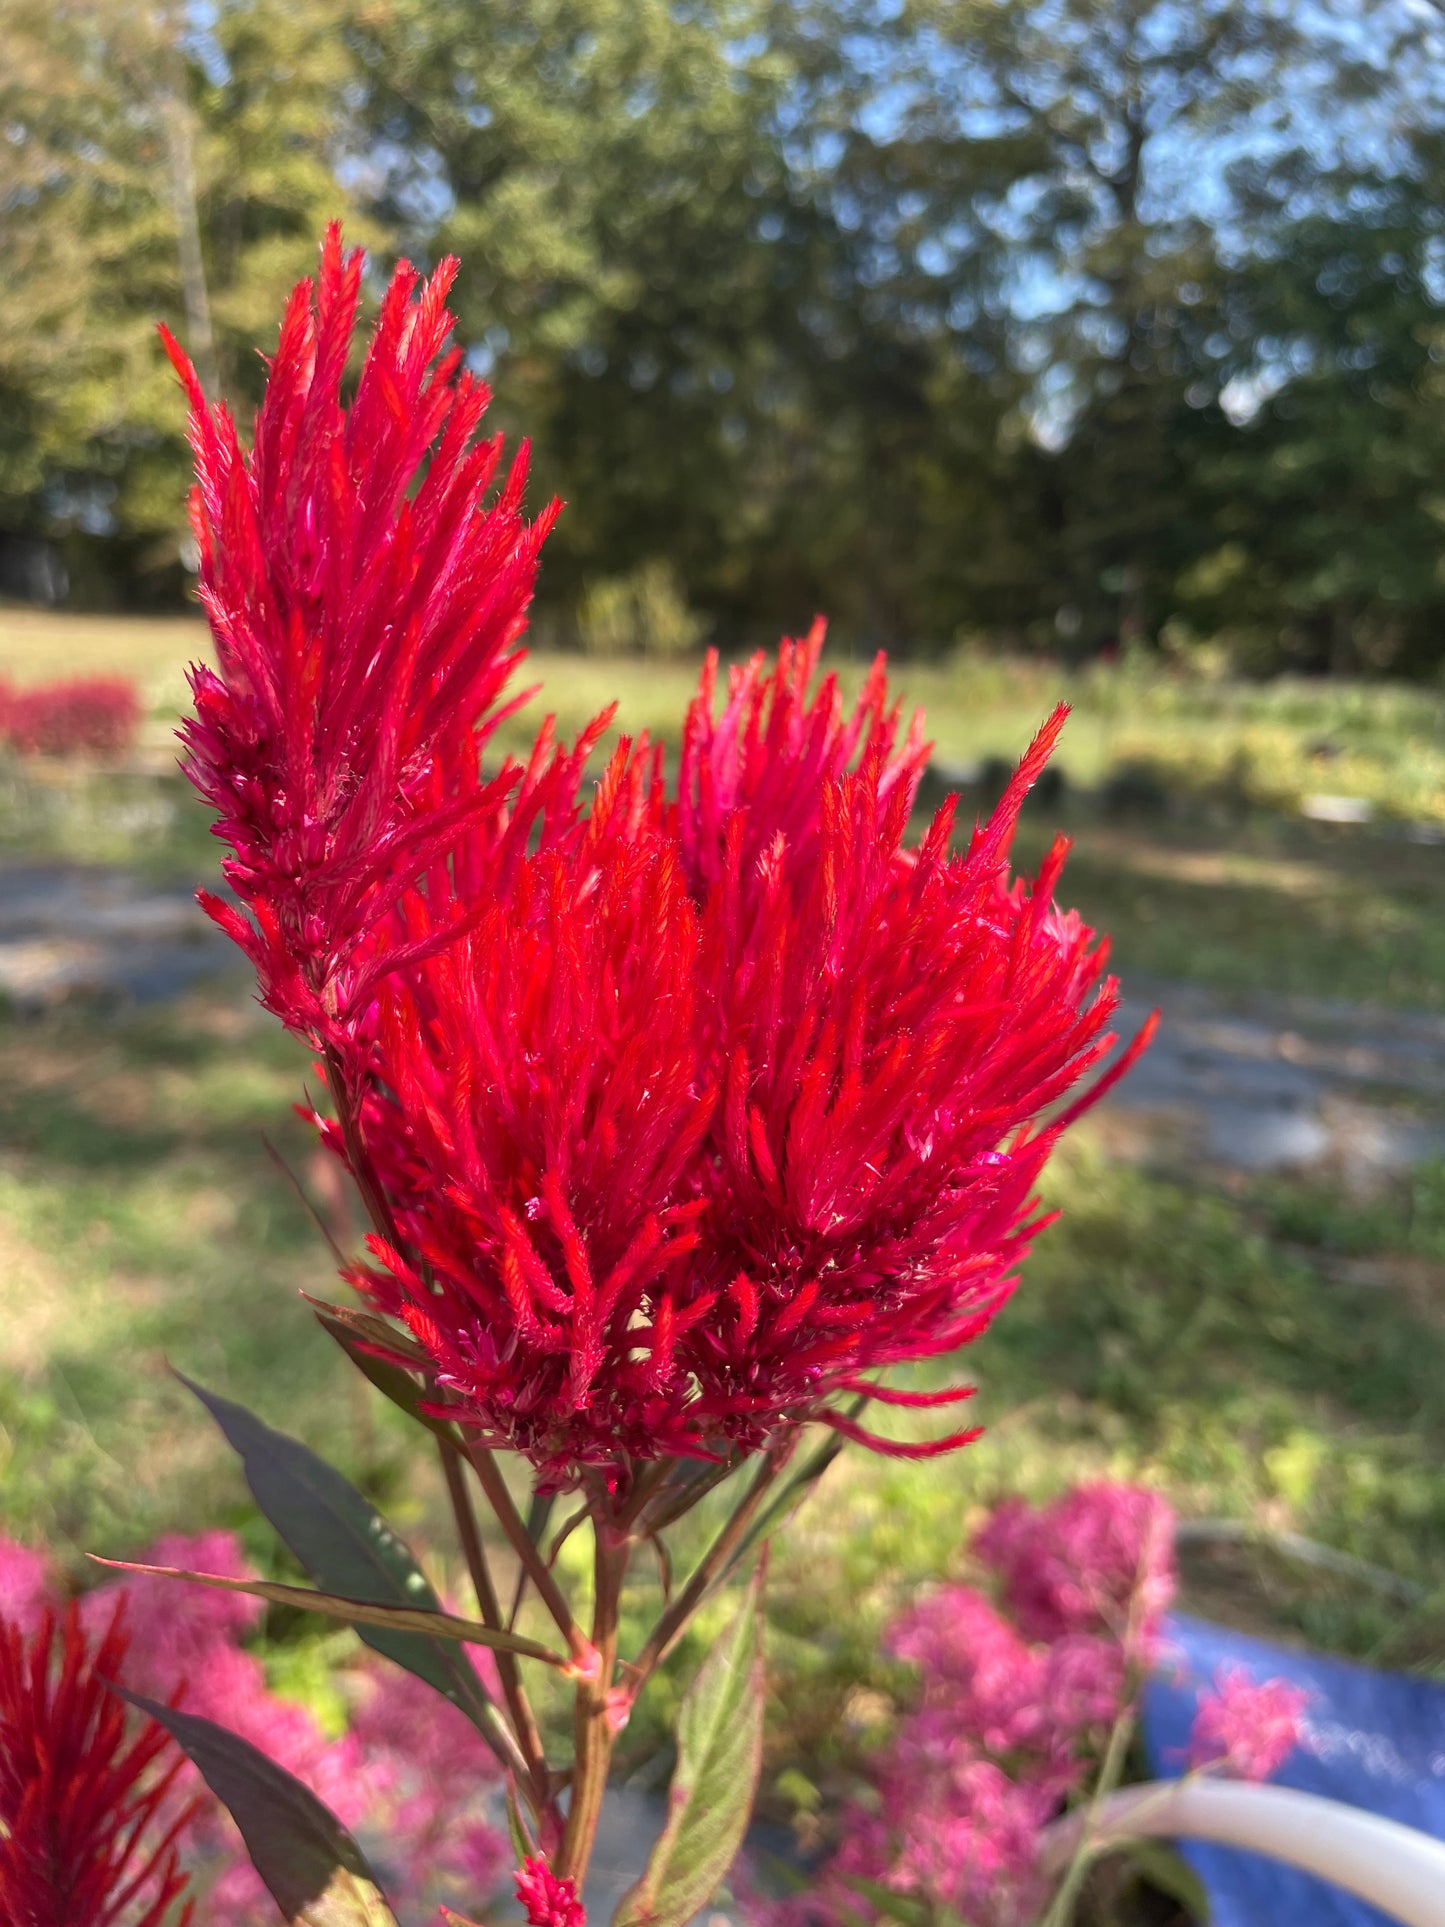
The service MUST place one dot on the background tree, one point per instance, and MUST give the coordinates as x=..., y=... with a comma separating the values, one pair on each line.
x=1062, y=321
x=150, y=170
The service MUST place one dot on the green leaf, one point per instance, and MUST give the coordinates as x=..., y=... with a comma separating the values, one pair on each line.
x=315, y=1871
x=348, y=1549
x=523, y=1846
x=359, y=1612
x=719, y=1756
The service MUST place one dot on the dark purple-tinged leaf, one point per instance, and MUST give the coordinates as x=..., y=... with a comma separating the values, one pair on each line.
x=358, y=1333
x=719, y=1756
x=347, y=1548
x=314, y=1870
x=389, y=1379
x=359, y=1612
x=369, y=1328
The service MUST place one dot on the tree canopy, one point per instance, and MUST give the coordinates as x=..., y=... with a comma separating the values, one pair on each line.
x=1072, y=322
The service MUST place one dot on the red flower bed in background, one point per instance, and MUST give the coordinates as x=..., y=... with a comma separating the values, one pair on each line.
x=80, y=716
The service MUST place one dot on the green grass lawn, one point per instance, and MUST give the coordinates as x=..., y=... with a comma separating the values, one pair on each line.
x=1271, y=743
x=1269, y=1353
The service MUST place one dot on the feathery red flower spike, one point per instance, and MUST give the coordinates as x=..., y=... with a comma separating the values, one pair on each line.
x=364, y=629
x=681, y=1114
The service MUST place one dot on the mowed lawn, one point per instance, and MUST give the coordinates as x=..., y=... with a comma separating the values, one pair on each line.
x=1272, y=1353
x=1275, y=743
x=1183, y=798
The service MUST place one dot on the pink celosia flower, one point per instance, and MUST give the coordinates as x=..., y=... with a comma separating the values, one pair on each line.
x=965, y=1839
x=83, y=1838
x=428, y=1770
x=25, y=1589
x=550, y=1899
x=1098, y=1560
x=363, y=628
x=1004, y=1728
x=1246, y=1728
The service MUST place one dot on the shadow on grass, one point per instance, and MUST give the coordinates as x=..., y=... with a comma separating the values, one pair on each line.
x=141, y=1220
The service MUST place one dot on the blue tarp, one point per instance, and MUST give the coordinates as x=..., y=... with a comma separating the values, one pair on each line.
x=1373, y=1740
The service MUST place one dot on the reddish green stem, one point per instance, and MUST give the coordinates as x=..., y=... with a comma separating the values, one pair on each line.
x=594, y=1713
x=524, y=1725
x=511, y=1522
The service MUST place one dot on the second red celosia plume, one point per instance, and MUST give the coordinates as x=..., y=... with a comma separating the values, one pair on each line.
x=676, y=1168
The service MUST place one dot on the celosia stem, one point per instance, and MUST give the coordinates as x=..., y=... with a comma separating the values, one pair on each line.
x=524, y=1725
x=673, y=1622
x=511, y=1522
x=594, y=1717
x=1061, y=1908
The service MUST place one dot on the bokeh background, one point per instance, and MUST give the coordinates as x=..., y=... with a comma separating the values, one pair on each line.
x=1064, y=348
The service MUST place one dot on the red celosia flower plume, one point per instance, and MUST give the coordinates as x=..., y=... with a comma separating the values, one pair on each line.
x=680, y=1117
x=546, y=1098
x=890, y=1034
x=765, y=761
x=364, y=624
x=84, y=1838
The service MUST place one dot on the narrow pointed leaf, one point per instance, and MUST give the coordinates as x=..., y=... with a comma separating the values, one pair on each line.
x=359, y=1612
x=539, y=1511
x=370, y=1329
x=314, y=1870
x=347, y=1548
x=719, y=1756
x=523, y=1847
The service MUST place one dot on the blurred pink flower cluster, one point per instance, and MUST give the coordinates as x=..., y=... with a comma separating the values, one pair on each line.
x=1014, y=1703
x=1017, y=1694
x=405, y=1775
x=1244, y=1727
x=79, y=716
